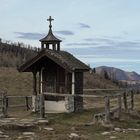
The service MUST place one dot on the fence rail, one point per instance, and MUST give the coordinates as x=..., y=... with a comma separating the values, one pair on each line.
x=4, y=103
x=121, y=97
x=125, y=99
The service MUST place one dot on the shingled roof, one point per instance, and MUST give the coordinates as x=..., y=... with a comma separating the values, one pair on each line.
x=62, y=58
x=50, y=37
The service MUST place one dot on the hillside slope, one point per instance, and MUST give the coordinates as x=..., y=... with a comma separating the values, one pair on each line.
x=118, y=74
x=16, y=83
x=93, y=80
x=14, y=54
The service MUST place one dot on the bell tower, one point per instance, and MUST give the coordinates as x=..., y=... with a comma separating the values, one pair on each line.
x=50, y=41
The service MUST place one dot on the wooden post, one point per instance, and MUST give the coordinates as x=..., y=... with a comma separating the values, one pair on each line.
x=34, y=83
x=4, y=106
x=107, y=109
x=7, y=102
x=66, y=81
x=39, y=83
x=125, y=101
x=34, y=91
x=27, y=103
x=41, y=80
x=73, y=83
x=42, y=106
x=132, y=100
x=119, y=106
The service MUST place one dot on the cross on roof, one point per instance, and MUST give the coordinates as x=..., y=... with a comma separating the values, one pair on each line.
x=50, y=19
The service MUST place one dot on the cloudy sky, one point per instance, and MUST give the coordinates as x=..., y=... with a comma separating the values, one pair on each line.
x=99, y=32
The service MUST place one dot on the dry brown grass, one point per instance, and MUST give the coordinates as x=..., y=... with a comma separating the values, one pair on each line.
x=92, y=80
x=15, y=83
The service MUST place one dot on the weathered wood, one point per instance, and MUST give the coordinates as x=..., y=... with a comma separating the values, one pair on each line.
x=107, y=109
x=103, y=89
x=39, y=83
x=4, y=107
x=119, y=106
x=27, y=103
x=34, y=83
x=42, y=106
x=17, y=96
x=125, y=101
x=66, y=81
x=132, y=100
x=73, y=83
x=67, y=95
x=34, y=103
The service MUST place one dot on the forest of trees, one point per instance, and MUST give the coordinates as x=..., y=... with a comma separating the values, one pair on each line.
x=14, y=54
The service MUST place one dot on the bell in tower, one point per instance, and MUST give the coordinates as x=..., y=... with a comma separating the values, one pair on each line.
x=50, y=41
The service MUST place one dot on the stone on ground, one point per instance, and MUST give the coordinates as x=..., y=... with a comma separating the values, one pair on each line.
x=105, y=133
x=72, y=135
x=49, y=128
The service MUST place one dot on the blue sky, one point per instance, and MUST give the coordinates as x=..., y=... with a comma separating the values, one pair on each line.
x=98, y=32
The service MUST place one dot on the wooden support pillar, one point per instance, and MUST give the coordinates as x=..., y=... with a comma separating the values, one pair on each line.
x=125, y=101
x=58, y=47
x=34, y=83
x=41, y=80
x=42, y=46
x=107, y=109
x=73, y=83
x=132, y=100
x=34, y=96
x=54, y=46
x=42, y=106
x=47, y=46
x=66, y=82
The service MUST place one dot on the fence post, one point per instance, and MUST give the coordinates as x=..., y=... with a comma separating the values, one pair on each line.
x=4, y=105
x=42, y=106
x=125, y=101
x=132, y=100
x=119, y=105
x=27, y=103
x=107, y=109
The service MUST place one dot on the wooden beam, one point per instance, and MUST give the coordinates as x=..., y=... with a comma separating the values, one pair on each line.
x=119, y=106
x=125, y=101
x=132, y=100
x=103, y=90
x=42, y=106
x=107, y=109
x=34, y=83
x=70, y=95
x=41, y=80
x=66, y=81
x=73, y=83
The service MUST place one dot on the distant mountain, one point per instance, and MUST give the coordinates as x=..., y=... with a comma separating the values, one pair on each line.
x=118, y=74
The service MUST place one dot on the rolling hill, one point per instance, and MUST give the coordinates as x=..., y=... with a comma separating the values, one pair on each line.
x=118, y=74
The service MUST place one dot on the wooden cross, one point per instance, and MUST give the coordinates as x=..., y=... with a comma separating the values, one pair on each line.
x=50, y=19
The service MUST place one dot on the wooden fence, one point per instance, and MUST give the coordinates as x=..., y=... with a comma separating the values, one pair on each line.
x=125, y=102
x=123, y=97
x=122, y=105
x=4, y=103
x=3, y=106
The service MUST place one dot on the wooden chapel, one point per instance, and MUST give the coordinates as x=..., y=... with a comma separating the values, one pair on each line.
x=59, y=72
